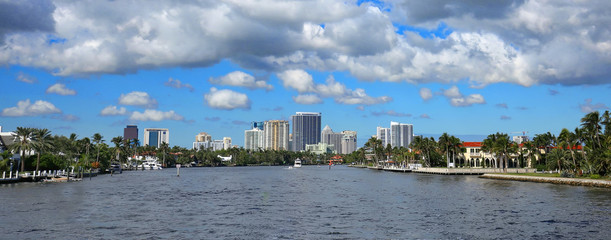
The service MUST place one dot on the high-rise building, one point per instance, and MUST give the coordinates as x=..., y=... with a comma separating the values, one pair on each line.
x=384, y=135
x=401, y=134
x=348, y=142
x=276, y=134
x=203, y=137
x=329, y=137
x=306, y=129
x=253, y=139
x=226, y=143
x=130, y=132
x=258, y=125
x=156, y=136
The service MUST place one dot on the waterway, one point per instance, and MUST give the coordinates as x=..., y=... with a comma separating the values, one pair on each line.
x=308, y=203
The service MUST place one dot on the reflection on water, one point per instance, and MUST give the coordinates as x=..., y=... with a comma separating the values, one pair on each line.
x=306, y=203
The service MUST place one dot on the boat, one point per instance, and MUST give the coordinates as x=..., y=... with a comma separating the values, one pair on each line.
x=297, y=163
x=147, y=163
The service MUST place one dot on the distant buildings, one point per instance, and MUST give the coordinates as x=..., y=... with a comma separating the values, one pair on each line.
x=401, y=135
x=259, y=125
x=203, y=137
x=348, y=142
x=203, y=141
x=384, y=135
x=331, y=138
x=520, y=139
x=398, y=135
x=320, y=148
x=276, y=135
x=306, y=129
x=130, y=132
x=156, y=136
x=253, y=139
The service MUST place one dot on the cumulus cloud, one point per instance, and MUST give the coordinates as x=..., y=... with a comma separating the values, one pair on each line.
x=303, y=82
x=175, y=83
x=113, y=111
x=155, y=115
x=226, y=99
x=391, y=113
x=240, y=79
x=426, y=94
x=16, y=17
x=61, y=89
x=26, y=78
x=307, y=99
x=513, y=41
x=458, y=100
x=139, y=99
x=588, y=107
x=298, y=79
x=25, y=108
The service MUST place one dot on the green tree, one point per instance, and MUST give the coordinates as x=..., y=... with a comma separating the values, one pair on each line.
x=24, y=143
x=42, y=142
x=98, y=140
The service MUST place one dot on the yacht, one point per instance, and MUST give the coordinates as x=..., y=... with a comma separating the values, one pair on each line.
x=297, y=163
x=147, y=163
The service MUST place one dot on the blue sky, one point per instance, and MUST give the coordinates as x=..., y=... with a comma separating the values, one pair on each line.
x=460, y=68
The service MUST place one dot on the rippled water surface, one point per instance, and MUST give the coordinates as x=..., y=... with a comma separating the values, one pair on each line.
x=307, y=203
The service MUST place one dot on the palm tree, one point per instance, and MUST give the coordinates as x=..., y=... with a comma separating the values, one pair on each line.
x=24, y=143
x=568, y=140
x=591, y=124
x=118, y=141
x=164, y=148
x=97, y=139
x=445, y=143
x=500, y=146
x=42, y=142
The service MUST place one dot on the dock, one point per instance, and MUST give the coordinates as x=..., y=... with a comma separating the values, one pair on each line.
x=471, y=171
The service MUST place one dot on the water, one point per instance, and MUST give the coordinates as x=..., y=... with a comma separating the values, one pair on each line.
x=307, y=203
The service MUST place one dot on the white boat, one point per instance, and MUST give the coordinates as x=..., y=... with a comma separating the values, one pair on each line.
x=147, y=163
x=297, y=163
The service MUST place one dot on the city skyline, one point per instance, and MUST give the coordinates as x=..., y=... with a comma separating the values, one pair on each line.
x=462, y=68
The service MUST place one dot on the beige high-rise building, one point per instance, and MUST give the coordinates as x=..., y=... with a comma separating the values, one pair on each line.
x=226, y=143
x=276, y=134
x=203, y=137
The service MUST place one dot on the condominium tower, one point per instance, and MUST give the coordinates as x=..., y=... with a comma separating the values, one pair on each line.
x=253, y=139
x=156, y=136
x=331, y=138
x=276, y=134
x=401, y=134
x=348, y=142
x=130, y=132
x=306, y=129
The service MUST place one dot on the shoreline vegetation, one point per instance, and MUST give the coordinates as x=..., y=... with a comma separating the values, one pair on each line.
x=582, y=153
x=540, y=177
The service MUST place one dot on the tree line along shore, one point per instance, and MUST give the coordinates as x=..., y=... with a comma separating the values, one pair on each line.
x=583, y=152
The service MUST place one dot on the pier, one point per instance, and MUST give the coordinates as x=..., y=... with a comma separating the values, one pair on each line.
x=15, y=177
x=472, y=171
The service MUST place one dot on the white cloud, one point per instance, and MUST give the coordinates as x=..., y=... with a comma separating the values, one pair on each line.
x=60, y=88
x=140, y=99
x=519, y=42
x=307, y=99
x=391, y=113
x=359, y=96
x=303, y=82
x=66, y=117
x=226, y=99
x=26, y=78
x=175, y=83
x=113, y=111
x=25, y=108
x=588, y=107
x=155, y=115
x=298, y=79
x=426, y=94
x=240, y=79
x=458, y=100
